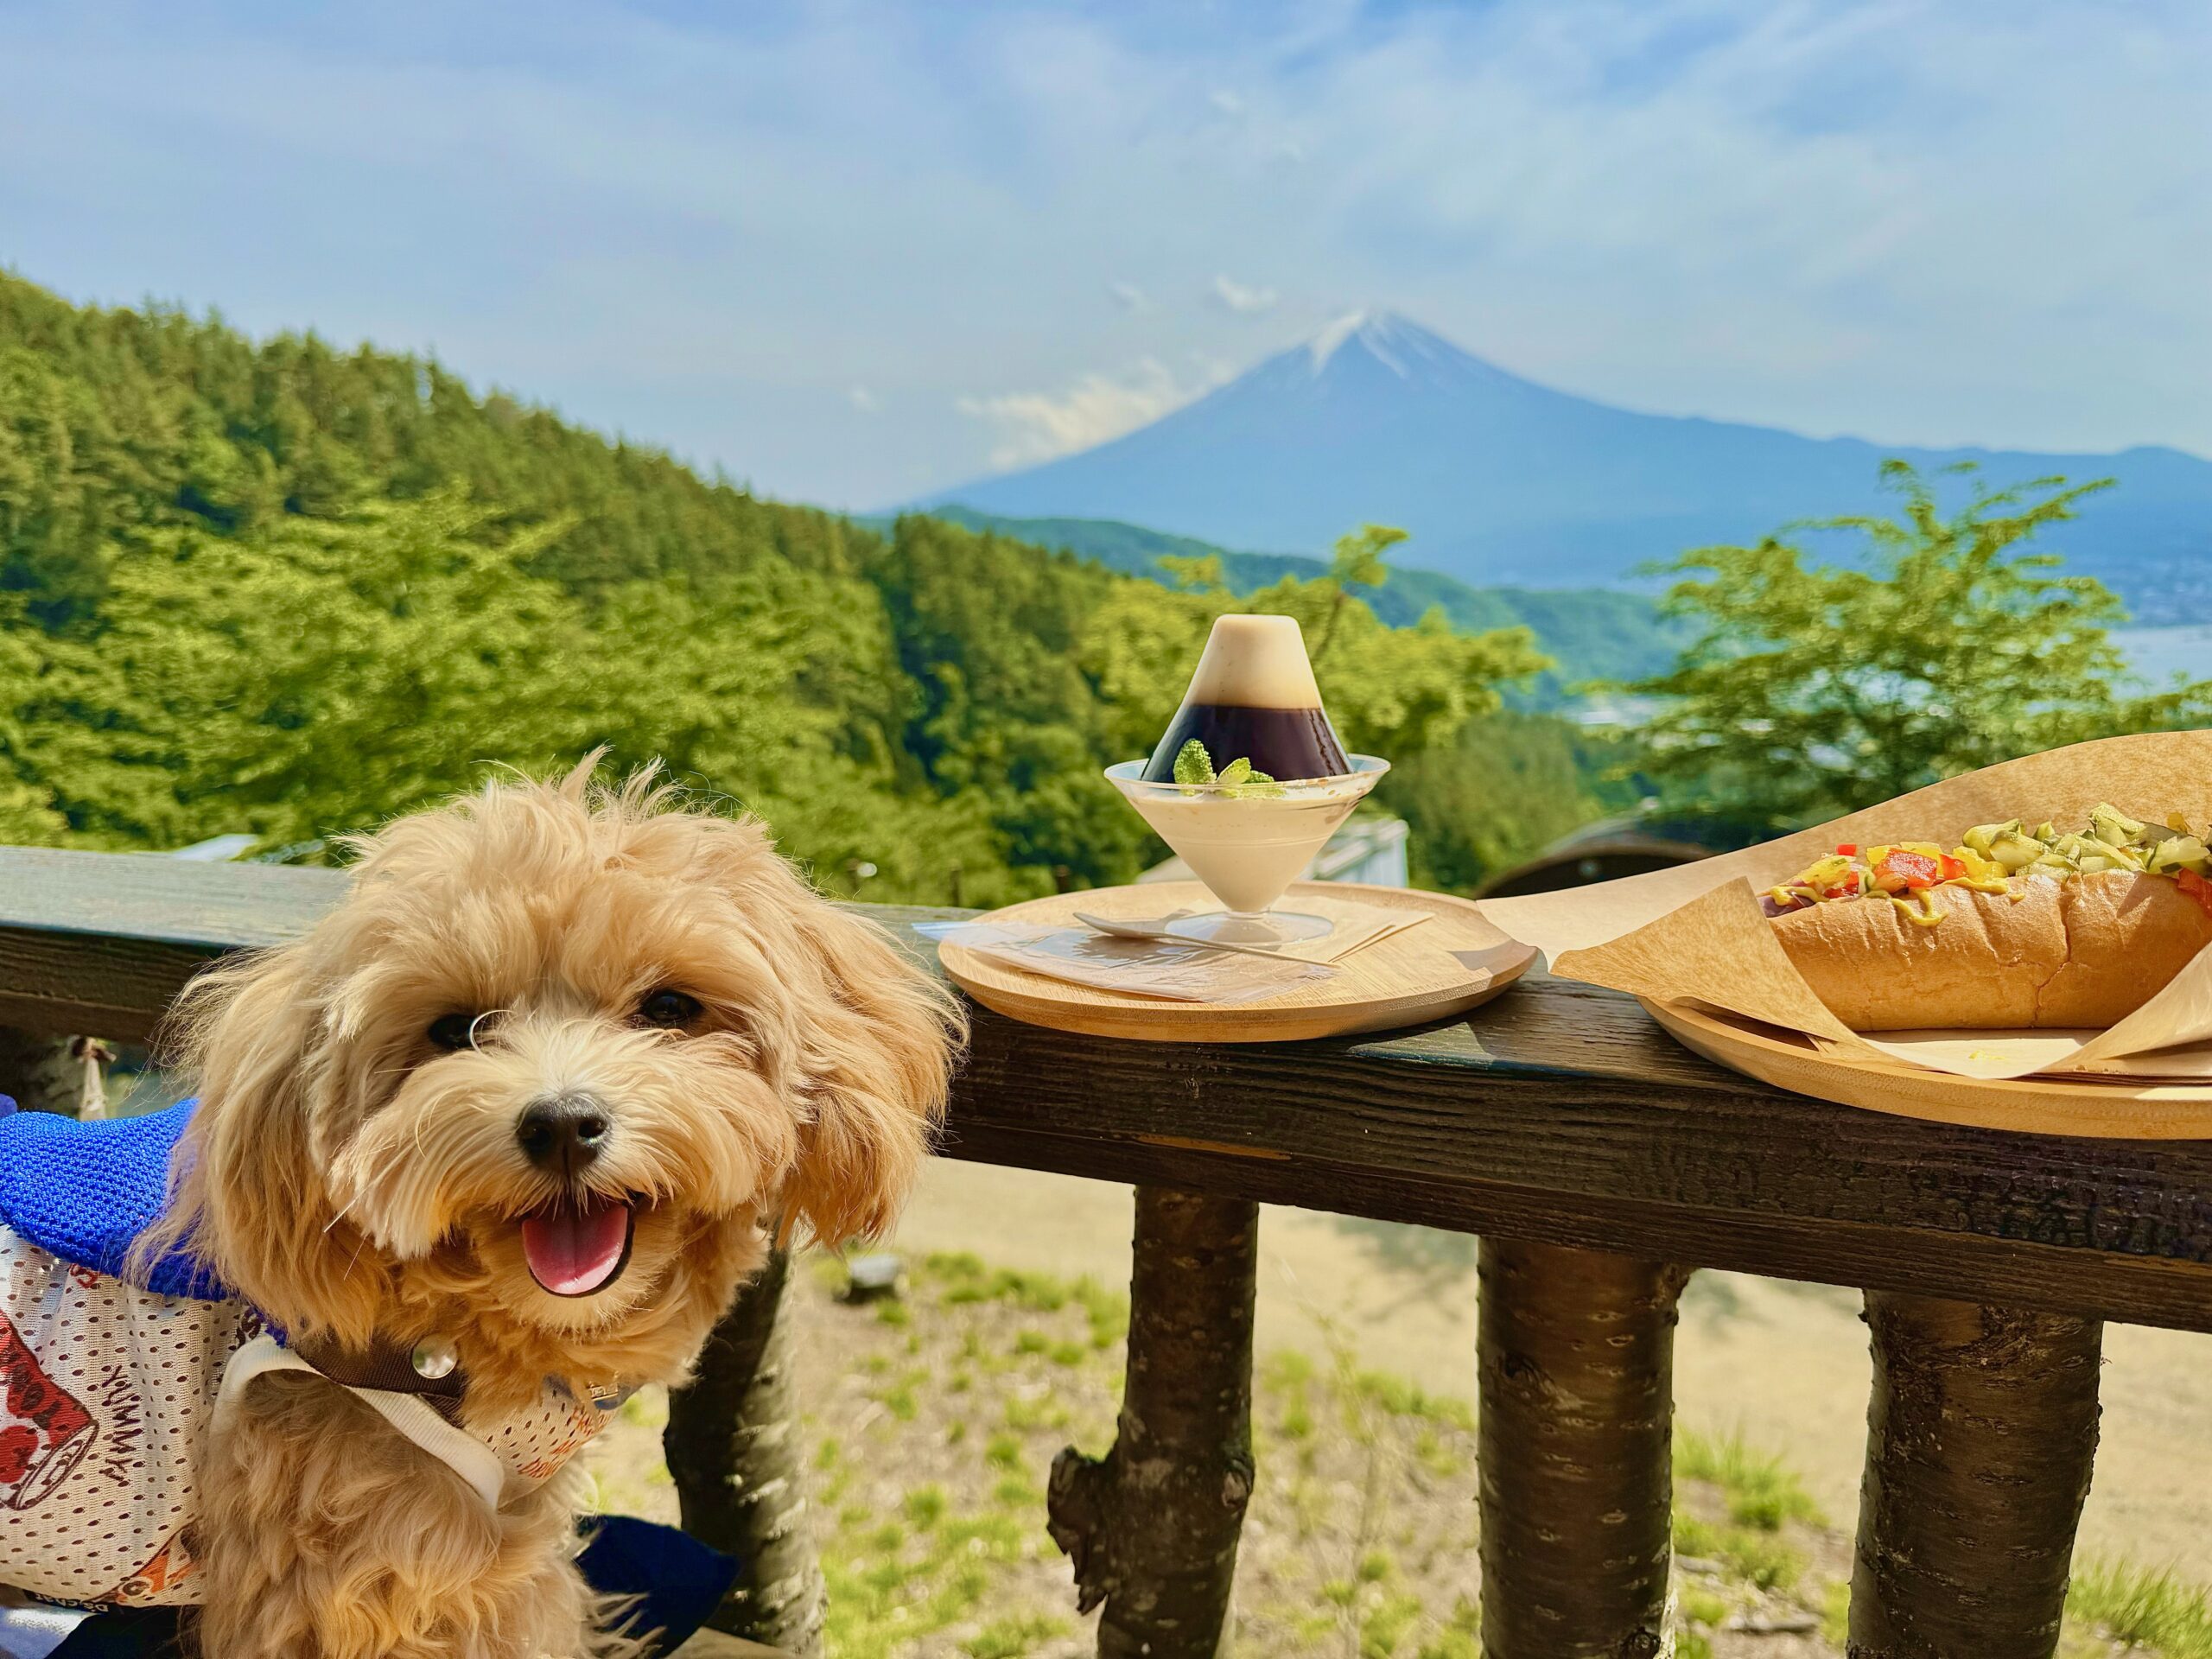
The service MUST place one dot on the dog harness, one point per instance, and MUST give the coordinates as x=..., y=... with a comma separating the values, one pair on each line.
x=108, y=1384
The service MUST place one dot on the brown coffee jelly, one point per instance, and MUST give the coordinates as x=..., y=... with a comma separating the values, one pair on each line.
x=1285, y=743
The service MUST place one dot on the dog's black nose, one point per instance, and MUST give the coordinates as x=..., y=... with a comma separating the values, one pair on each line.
x=564, y=1134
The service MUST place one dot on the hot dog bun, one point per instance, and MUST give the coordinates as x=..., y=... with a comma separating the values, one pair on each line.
x=2086, y=951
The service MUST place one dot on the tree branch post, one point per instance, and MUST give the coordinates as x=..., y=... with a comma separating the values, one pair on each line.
x=40, y=1073
x=1981, y=1432
x=1575, y=1352
x=734, y=1451
x=1152, y=1528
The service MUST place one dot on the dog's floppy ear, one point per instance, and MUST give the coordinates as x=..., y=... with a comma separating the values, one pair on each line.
x=880, y=1042
x=249, y=1199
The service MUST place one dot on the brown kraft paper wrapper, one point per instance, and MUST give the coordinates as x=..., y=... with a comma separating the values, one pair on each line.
x=1695, y=934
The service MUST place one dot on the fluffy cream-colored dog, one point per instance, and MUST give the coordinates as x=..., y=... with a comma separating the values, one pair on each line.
x=533, y=1091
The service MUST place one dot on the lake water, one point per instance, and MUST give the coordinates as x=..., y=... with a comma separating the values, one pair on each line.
x=2158, y=654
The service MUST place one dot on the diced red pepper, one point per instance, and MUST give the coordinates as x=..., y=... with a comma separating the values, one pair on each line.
x=1906, y=870
x=2197, y=888
x=1849, y=849
x=1844, y=888
x=1955, y=869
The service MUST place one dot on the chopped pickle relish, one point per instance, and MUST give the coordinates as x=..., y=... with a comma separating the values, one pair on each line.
x=1908, y=874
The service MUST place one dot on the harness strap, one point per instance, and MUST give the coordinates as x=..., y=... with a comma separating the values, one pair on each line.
x=387, y=1367
x=411, y=1414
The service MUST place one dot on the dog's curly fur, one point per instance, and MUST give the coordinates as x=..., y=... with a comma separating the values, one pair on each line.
x=350, y=1178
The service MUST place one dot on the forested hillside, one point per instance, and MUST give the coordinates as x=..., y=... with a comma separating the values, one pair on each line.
x=282, y=588
x=1590, y=633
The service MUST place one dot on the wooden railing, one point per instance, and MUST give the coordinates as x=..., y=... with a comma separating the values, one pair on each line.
x=1599, y=1163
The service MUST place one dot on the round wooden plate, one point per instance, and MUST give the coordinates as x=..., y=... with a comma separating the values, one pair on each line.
x=2115, y=1108
x=1454, y=961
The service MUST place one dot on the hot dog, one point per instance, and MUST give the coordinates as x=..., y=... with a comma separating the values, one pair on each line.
x=2014, y=927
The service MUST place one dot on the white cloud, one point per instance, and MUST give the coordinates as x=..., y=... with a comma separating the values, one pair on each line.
x=1226, y=101
x=1245, y=300
x=1920, y=220
x=1034, y=426
x=864, y=400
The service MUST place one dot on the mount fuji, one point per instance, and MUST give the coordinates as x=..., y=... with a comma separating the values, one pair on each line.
x=1500, y=480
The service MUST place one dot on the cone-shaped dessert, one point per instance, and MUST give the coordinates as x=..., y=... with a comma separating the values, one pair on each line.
x=1253, y=698
x=1250, y=781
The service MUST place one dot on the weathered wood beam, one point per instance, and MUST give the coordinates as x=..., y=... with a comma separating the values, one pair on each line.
x=1151, y=1527
x=1980, y=1434
x=1575, y=1361
x=737, y=1456
x=1559, y=1113
x=61, y=984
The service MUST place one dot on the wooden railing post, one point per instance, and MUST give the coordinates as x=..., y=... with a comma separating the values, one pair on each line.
x=734, y=1448
x=1575, y=1352
x=1151, y=1527
x=1980, y=1435
x=37, y=1071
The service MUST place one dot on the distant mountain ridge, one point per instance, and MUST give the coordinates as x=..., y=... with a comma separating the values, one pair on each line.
x=1591, y=634
x=1502, y=481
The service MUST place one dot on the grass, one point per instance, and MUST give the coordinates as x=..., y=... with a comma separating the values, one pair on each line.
x=1752, y=1554
x=925, y=1506
x=1010, y=1638
x=1044, y=1411
x=965, y=1279
x=902, y=1399
x=1402, y=1399
x=890, y=1585
x=2149, y=1608
x=1703, y=1606
x=1461, y=1636
x=1835, y=1614
x=1760, y=1490
x=1385, y=1624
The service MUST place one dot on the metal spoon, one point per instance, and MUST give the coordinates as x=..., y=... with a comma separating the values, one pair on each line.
x=1157, y=931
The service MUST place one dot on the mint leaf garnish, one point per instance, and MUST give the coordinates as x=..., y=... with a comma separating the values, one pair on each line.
x=1239, y=779
x=1193, y=765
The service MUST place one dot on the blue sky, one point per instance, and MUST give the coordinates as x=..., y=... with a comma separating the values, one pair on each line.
x=855, y=252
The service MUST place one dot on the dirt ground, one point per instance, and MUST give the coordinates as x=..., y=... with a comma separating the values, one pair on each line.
x=1785, y=1365
x=930, y=1422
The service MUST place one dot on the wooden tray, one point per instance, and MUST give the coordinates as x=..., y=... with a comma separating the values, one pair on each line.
x=2115, y=1108
x=1402, y=981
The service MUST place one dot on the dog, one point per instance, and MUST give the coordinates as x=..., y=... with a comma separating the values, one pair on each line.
x=496, y=1141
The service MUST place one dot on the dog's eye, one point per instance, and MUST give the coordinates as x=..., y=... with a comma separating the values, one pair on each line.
x=670, y=1009
x=452, y=1031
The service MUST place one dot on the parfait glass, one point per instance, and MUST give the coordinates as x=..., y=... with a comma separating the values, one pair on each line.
x=1248, y=843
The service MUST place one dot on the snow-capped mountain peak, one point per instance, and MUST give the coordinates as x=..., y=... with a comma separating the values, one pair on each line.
x=1501, y=478
x=1388, y=338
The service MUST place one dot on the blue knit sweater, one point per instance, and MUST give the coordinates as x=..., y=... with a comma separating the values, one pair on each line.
x=84, y=1191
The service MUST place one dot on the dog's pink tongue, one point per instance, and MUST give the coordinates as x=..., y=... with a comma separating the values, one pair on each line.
x=574, y=1252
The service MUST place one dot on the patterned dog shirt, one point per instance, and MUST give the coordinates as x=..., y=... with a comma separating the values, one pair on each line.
x=107, y=1384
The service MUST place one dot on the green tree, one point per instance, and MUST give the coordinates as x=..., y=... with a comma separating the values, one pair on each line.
x=307, y=682
x=1812, y=690
x=1395, y=692
x=281, y=586
x=1509, y=784
x=28, y=813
